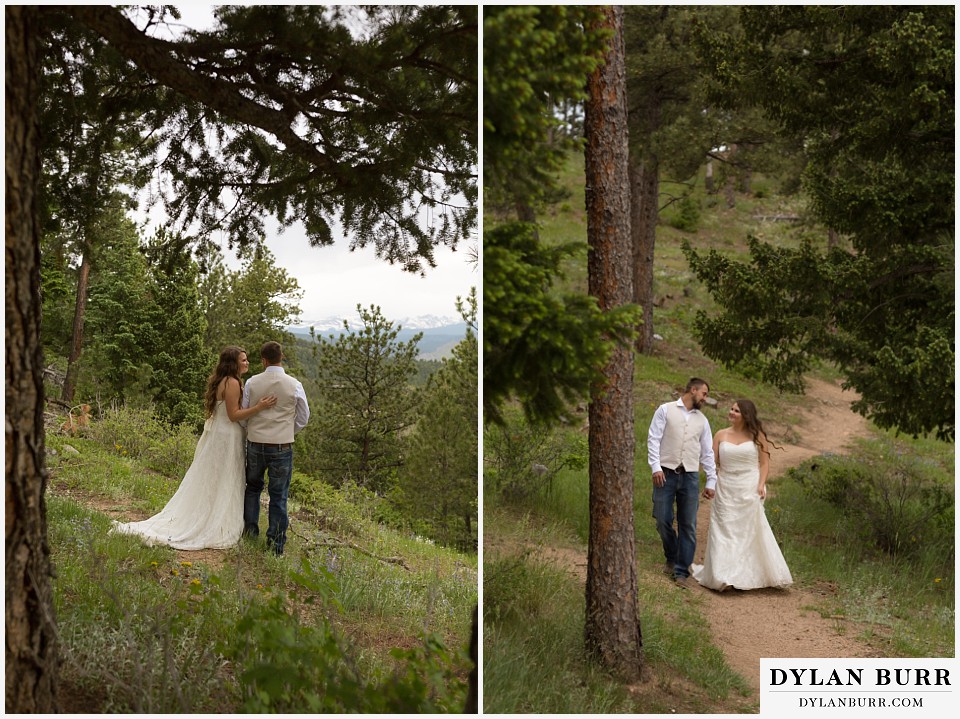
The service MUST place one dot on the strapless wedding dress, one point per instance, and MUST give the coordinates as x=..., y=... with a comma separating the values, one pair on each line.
x=741, y=549
x=207, y=510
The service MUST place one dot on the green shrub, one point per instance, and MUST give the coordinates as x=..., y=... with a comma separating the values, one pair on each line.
x=895, y=499
x=140, y=434
x=285, y=666
x=523, y=459
x=687, y=216
x=335, y=509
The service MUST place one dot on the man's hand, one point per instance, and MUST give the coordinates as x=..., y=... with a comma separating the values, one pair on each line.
x=658, y=479
x=709, y=493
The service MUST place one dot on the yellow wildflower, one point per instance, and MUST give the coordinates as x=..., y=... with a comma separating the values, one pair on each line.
x=186, y=564
x=195, y=582
x=175, y=572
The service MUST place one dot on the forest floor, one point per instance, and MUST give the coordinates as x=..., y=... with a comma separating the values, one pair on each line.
x=770, y=623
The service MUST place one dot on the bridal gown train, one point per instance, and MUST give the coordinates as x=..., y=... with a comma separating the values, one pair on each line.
x=741, y=549
x=207, y=510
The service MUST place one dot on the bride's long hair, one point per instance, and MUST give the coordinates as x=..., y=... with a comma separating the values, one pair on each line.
x=752, y=423
x=228, y=366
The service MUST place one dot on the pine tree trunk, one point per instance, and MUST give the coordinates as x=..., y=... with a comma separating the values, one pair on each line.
x=473, y=684
x=526, y=213
x=612, y=630
x=730, y=183
x=708, y=179
x=644, y=198
x=76, y=347
x=31, y=648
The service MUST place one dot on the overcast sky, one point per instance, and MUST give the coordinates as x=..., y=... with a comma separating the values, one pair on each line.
x=334, y=280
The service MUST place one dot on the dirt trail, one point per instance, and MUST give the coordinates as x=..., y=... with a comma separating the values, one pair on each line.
x=768, y=622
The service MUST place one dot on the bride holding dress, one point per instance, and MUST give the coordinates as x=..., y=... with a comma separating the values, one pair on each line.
x=741, y=549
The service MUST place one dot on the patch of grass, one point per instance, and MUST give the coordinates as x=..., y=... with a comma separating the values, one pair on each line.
x=133, y=621
x=534, y=654
x=533, y=644
x=107, y=473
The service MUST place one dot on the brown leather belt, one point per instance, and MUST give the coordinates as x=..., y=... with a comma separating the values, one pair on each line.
x=266, y=445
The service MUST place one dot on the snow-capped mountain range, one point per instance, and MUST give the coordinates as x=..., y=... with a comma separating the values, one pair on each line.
x=422, y=322
x=439, y=334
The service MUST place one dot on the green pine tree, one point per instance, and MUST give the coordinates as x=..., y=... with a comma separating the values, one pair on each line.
x=438, y=482
x=367, y=403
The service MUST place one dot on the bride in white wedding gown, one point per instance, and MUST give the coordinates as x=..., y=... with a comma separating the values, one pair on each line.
x=741, y=549
x=206, y=512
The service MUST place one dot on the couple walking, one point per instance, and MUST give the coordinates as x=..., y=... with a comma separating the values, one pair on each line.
x=741, y=549
x=214, y=506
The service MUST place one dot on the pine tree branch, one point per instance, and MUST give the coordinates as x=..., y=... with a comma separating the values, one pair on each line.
x=157, y=57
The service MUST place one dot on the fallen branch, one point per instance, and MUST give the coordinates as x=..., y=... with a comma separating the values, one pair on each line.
x=335, y=542
x=778, y=218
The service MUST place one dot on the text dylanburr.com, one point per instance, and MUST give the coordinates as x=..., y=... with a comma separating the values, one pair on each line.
x=859, y=687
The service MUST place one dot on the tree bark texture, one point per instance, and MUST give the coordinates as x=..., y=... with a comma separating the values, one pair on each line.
x=612, y=630
x=31, y=647
x=473, y=684
x=644, y=199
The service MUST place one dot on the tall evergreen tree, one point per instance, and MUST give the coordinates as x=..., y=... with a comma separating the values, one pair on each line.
x=367, y=402
x=675, y=127
x=94, y=150
x=31, y=634
x=870, y=93
x=251, y=305
x=438, y=482
x=117, y=363
x=181, y=362
x=612, y=624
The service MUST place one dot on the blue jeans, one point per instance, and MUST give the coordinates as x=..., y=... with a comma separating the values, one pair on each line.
x=678, y=544
x=278, y=465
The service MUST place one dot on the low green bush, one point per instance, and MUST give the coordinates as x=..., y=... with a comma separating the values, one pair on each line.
x=523, y=459
x=140, y=434
x=896, y=500
x=346, y=510
x=687, y=215
x=285, y=666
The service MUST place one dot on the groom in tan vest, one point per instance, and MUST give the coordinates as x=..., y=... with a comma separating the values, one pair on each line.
x=270, y=436
x=678, y=444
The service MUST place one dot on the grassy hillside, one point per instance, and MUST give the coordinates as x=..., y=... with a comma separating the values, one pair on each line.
x=354, y=617
x=901, y=605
